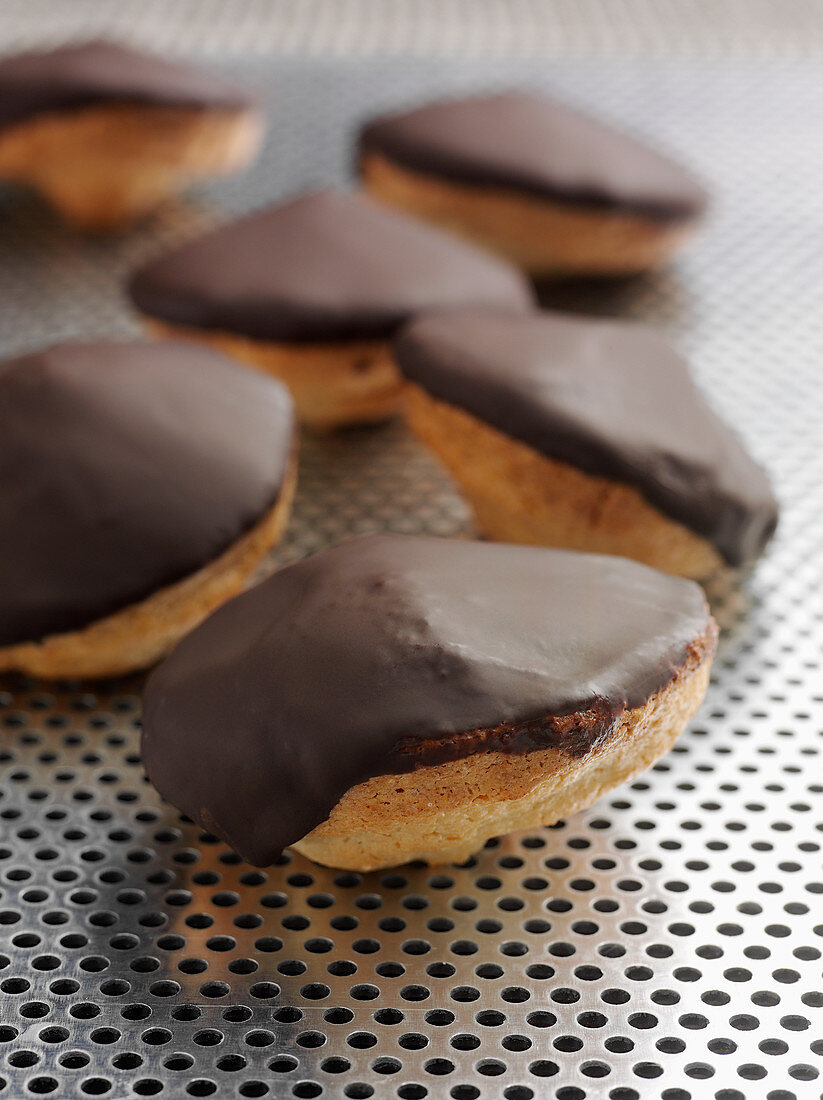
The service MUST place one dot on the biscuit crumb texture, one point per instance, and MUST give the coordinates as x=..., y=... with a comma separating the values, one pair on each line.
x=333, y=384
x=139, y=635
x=105, y=166
x=543, y=237
x=520, y=495
x=444, y=813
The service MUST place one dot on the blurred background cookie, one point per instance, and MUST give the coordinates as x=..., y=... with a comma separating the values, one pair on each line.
x=544, y=184
x=140, y=485
x=401, y=698
x=105, y=133
x=312, y=291
x=587, y=434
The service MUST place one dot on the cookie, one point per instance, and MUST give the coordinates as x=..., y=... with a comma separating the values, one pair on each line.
x=140, y=486
x=105, y=133
x=312, y=291
x=585, y=434
x=545, y=185
x=401, y=698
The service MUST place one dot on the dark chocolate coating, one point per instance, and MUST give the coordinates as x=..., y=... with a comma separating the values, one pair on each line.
x=609, y=397
x=125, y=467
x=76, y=76
x=327, y=266
x=538, y=146
x=334, y=669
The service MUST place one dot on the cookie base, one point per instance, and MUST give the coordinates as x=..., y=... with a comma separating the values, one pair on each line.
x=333, y=385
x=520, y=495
x=139, y=635
x=543, y=237
x=445, y=813
x=102, y=167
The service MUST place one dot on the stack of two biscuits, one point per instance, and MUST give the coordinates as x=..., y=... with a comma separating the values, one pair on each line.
x=586, y=434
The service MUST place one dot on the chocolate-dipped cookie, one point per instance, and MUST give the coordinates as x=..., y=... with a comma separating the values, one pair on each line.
x=105, y=133
x=586, y=434
x=312, y=291
x=547, y=186
x=140, y=486
x=400, y=698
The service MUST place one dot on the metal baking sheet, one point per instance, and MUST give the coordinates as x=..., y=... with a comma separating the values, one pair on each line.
x=667, y=943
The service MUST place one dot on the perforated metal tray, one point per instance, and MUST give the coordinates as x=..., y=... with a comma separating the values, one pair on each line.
x=665, y=944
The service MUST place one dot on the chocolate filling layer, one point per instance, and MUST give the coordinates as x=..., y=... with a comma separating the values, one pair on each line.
x=380, y=655
x=609, y=397
x=538, y=146
x=72, y=77
x=575, y=734
x=124, y=467
x=324, y=267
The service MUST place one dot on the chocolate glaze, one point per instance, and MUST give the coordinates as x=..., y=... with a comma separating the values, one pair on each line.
x=609, y=397
x=374, y=657
x=327, y=266
x=123, y=468
x=539, y=146
x=71, y=77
